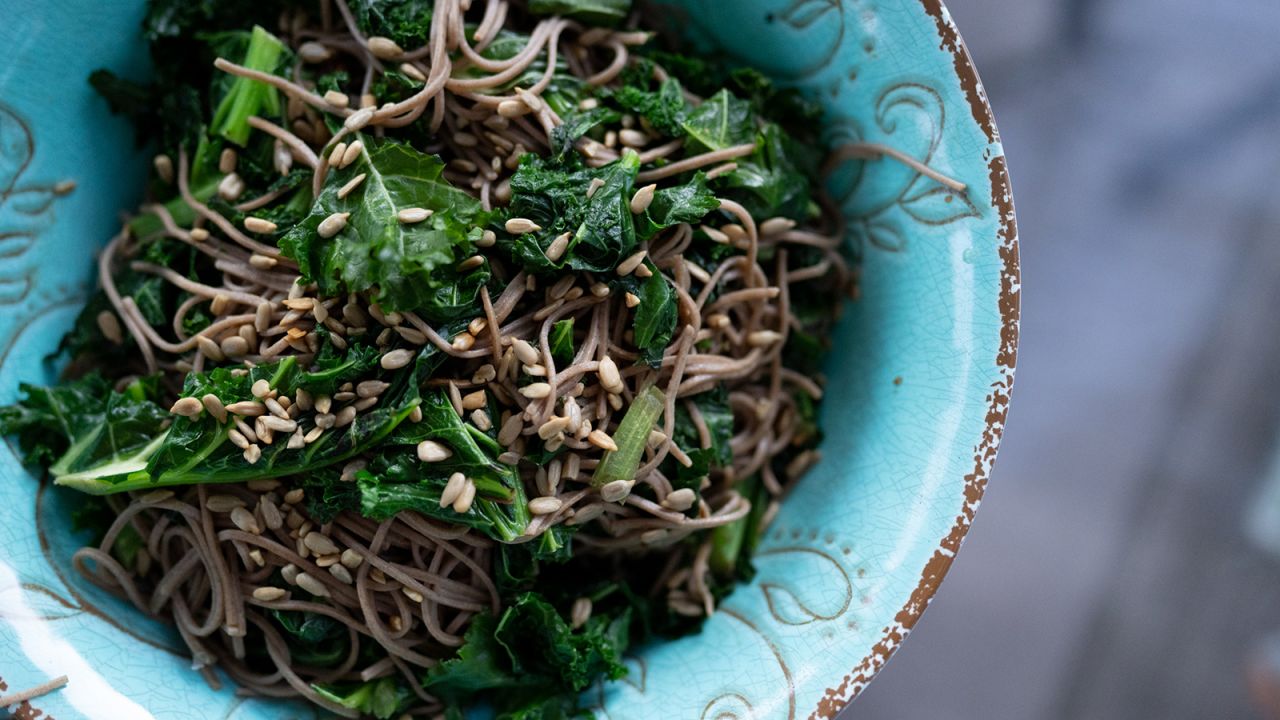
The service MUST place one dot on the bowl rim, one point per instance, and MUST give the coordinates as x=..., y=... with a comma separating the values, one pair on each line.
x=837, y=697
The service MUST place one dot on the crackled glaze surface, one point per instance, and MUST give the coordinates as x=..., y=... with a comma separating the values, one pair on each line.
x=920, y=374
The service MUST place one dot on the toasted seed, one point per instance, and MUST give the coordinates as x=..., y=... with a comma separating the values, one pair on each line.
x=680, y=500
x=632, y=300
x=512, y=108
x=279, y=424
x=616, y=491
x=252, y=454
x=509, y=458
x=432, y=451
x=465, y=498
x=525, y=352
x=344, y=417
x=629, y=265
x=234, y=346
x=534, y=391
x=413, y=595
x=247, y=408
x=396, y=359
x=336, y=98
x=209, y=348
x=633, y=138
x=352, y=153
x=222, y=503
x=471, y=263
x=557, y=247
x=245, y=520
x=776, y=226
x=276, y=408
x=351, y=185
x=587, y=514
x=474, y=400
x=552, y=427
x=269, y=593
x=336, y=155
x=610, y=378
x=259, y=225
x=371, y=388
x=323, y=403
x=270, y=514
x=412, y=71
x=580, y=613
x=365, y=403
x=199, y=235
x=293, y=497
x=260, y=388
x=256, y=556
x=231, y=187
x=510, y=430
x=464, y=341
x=545, y=505
x=319, y=543
x=156, y=496
x=341, y=573
x=487, y=239
x=164, y=168
x=109, y=326
x=481, y=420
x=238, y=439
x=601, y=439
x=412, y=215
x=415, y=415
x=262, y=262
x=311, y=585
x=522, y=226
x=485, y=373
x=332, y=225
x=384, y=48
x=644, y=272
x=452, y=489
x=187, y=407
x=357, y=120
x=314, y=52
x=763, y=338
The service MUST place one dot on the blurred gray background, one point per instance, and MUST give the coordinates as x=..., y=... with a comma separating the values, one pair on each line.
x=1109, y=573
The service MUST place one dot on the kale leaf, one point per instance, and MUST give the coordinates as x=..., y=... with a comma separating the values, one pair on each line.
x=407, y=22
x=382, y=698
x=596, y=12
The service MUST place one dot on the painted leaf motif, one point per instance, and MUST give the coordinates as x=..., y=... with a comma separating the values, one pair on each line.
x=939, y=205
x=802, y=585
x=886, y=237
x=15, y=149
x=803, y=13
x=15, y=242
x=13, y=289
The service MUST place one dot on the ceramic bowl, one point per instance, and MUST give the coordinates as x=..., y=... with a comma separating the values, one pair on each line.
x=919, y=378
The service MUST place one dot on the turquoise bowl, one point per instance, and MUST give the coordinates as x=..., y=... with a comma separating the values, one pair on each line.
x=920, y=374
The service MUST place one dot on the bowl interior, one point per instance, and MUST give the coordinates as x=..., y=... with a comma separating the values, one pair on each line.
x=919, y=375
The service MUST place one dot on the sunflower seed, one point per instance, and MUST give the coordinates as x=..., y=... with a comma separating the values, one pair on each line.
x=384, y=48
x=252, y=454
x=258, y=225
x=601, y=439
x=311, y=585
x=545, y=505
x=628, y=266
x=332, y=225
x=616, y=491
x=535, y=391
x=452, y=489
x=336, y=98
x=432, y=451
x=412, y=215
x=314, y=52
x=465, y=498
x=351, y=185
x=680, y=500
x=187, y=407
x=522, y=226
x=763, y=338
x=481, y=420
x=109, y=326
x=156, y=496
x=510, y=431
x=269, y=594
x=319, y=543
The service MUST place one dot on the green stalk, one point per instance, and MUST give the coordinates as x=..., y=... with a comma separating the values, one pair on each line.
x=249, y=97
x=631, y=437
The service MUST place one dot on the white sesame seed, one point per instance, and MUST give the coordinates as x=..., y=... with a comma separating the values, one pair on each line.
x=245, y=520
x=311, y=585
x=522, y=226
x=187, y=407
x=336, y=98
x=258, y=225
x=358, y=119
x=601, y=439
x=629, y=265
x=269, y=594
x=545, y=505
x=535, y=391
x=412, y=215
x=680, y=500
x=616, y=491
x=333, y=224
x=314, y=52
x=351, y=185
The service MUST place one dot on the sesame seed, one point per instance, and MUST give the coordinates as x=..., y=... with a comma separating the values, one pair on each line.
x=357, y=120
x=474, y=400
x=252, y=454
x=245, y=520
x=432, y=451
x=522, y=226
x=616, y=491
x=335, y=157
x=352, y=152
x=512, y=108
x=262, y=262
x=314, y=52
x=164, y=168
x=545, y=505
x=412, y=215
x=510, y=430
x=632, y=300
x=199, y=235
x=535, y=391
x=384, y=48
x=465, y=498
x=258, y=225
x=351, y=185
x=601, y=439
x=332, y=225
x=471, y=263
x=337, y=99
x=311, y=585
x=763, y=338
x=680, y=500
x=628, y=266
x=269, y=594
x=227, y=160
x=452, y=489
x=557, y=247
x=187, y=407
